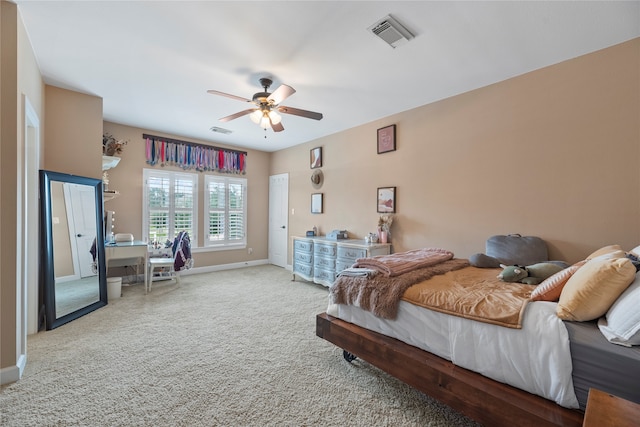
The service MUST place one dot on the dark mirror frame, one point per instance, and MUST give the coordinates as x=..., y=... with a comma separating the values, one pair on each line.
x=47, y=274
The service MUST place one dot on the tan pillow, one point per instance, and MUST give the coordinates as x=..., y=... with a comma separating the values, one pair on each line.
x=592, y=289
x=609, y=255
x=551, y=287
x=604, y=250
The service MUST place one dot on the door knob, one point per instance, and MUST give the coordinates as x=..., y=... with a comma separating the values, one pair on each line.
x=78, y=235
x=282, y=226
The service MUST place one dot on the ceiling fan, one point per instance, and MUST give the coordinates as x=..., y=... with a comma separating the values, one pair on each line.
x=267, y=106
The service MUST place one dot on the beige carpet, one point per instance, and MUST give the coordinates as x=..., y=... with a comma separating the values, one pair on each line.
x=230, y=348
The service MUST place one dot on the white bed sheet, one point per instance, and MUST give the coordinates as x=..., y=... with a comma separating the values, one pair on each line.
x=535, y=358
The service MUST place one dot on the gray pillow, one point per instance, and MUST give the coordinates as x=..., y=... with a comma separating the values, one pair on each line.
x=484, y=261
x=515, y=249
x=512, y=249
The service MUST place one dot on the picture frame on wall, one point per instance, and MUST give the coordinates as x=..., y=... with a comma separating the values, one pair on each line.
x=387, y=139
x=316, y=203
x=386, y=199
x=315, y=155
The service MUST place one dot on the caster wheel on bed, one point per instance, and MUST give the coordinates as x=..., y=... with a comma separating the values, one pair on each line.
x=348, y=356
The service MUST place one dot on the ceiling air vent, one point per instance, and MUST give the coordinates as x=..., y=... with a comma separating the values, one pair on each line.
x=391, y=31
x=220, y=130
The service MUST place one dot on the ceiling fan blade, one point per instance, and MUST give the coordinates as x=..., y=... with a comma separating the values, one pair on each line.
x=302, y=113
x=280, y=94
x=277, y=127
x=236, y=115
x=228, y=95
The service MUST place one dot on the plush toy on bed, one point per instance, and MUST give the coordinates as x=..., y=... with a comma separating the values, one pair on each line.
x=529, y=275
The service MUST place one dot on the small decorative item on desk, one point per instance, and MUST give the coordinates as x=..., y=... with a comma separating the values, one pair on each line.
x=337, y=235
x=384, y=226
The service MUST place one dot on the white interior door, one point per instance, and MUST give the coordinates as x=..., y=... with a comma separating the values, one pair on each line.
x=82, y=225
x=278, y=219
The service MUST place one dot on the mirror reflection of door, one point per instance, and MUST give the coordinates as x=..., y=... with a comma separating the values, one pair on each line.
x=74, y=230
x=82, y=224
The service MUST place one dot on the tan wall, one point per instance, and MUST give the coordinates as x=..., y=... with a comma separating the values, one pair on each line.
x=19, y=76
x=127, y=179
x=73, y=132
x=8, y=187
x=31, y=149
x=552, y=153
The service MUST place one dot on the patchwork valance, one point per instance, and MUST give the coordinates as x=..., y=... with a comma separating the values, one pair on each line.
x=190, y=155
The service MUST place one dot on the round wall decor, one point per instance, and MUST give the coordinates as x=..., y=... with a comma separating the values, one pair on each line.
x=316, y=178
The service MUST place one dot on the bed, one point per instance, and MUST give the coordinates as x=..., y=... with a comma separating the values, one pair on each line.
x=537, y=371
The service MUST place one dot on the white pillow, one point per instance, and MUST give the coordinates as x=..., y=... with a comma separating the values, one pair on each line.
x=636, y=251
x=621, y=324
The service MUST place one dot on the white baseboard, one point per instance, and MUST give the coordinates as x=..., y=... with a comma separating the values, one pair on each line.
x=11, y=374
x=211, y=268
x=208, y=269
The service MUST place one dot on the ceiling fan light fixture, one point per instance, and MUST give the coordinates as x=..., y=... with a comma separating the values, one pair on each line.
x=264, y=121
x=256, y=116
x=267, y=106
x=275, y=117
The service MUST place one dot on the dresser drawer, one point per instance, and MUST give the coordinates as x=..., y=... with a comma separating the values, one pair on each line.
x=326, y=277
x=302, y=246
x=351, y=253
x=305, y=270
x=343, y=265
x=303, y=257
x=324, y=262
x=326, y=250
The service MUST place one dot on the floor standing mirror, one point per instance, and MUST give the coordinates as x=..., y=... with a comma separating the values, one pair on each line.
x=72, y=273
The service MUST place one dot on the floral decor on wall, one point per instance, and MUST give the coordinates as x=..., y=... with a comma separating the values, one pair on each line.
x=112, y=146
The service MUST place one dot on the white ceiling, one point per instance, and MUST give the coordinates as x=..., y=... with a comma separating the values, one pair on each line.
x=152, y=62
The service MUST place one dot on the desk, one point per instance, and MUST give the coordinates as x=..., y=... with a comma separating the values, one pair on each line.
x=604, y=409
x=126, y=253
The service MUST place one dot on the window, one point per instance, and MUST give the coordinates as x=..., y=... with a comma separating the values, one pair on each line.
x=226, y=211
x=170, y=205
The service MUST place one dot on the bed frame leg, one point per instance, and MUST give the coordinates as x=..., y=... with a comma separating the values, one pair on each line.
x=349, y=357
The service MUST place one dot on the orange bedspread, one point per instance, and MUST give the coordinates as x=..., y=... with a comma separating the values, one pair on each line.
x=473, y=293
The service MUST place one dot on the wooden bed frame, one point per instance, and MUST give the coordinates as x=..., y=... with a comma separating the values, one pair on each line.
x=489, y=402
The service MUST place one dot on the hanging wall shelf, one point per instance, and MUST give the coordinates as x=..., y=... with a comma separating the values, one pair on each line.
x=109, y=162
x=110, y=195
